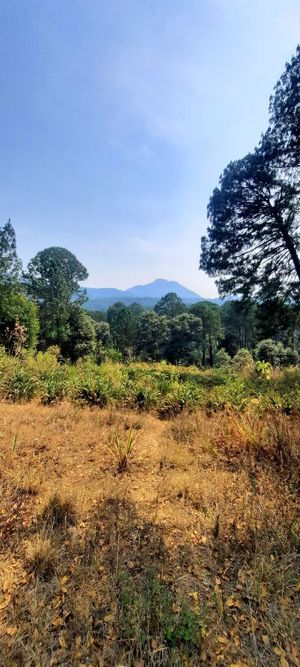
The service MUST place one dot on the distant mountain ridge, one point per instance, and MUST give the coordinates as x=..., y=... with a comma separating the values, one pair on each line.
x=101, y=298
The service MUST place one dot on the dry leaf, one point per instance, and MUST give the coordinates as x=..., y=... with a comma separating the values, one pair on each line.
x=283, y=662
x=57, y=621
x=108, y=618
x=62, y=641
x=4, y=603
x=11, y=630
x=194, y=595
x=232, y=602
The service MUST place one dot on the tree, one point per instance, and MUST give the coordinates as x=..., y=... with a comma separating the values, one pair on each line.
x=209, y=313
x=186, y=336
x=270, y=351
x=98, y=315
x=243, y=361
x=253, y=240
x=103, y=334
x=152, y=335
x=252, y=244
x=52, y=280
x=170, y=305
x=239, y=325
x=19, y=322
x=81, y=341
x=103, y=340
x=10, y=265
x=278, y=320
x=122, y=326
x=285, y=114
x=136, y=309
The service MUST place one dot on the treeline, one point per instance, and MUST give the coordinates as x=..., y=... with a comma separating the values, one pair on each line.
x=204, y=334
x=43, y=307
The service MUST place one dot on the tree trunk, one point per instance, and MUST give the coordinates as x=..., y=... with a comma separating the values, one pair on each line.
x=211, y=356
x=289, y=242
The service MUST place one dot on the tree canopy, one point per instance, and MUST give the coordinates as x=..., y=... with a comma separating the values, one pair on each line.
x=170, y=305
x=52, y=279
x=10, y=264
x=252, y=244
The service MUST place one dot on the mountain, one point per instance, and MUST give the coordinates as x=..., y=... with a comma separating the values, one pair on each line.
x=103, y=293
x=101, y=298
x=158, y=288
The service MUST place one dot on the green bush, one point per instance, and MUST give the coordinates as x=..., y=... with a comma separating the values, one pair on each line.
x=243, y=361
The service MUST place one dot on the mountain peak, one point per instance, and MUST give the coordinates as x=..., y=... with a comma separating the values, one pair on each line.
x=159, y=287
x=147, y=295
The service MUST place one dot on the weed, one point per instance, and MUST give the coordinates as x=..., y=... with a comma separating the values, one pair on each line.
x=121, y=447
x=40, y=556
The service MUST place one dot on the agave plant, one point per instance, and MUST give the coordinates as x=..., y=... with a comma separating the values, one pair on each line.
x=121, y=446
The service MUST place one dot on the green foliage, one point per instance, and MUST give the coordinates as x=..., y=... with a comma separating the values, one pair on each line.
x=121, y=446
x=285, y=115
x=81, y=341
x=98, y=315
x=19, y=321
x=103, y=335
x=278, y=320
x=263, y=369
x=252, y=243
x=239, y=323
x=209, y=313
x=186, y=336
x=170, y=305
x=152, y=335
x=122, y=324
x=52, y=279
x=148, y=607
x=243, y=361
x=270, y=351
x=10, y=265
x=160, y=386
x=222, y=358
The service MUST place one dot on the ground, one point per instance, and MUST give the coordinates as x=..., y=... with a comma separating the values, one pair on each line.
x=184, y=552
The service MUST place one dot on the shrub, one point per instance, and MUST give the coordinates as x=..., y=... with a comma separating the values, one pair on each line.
x=276, y=354
x=291, y=357
x=222, y=358
x=263, y=369
x=243, y=361
x=41, y=557
x=121, y=447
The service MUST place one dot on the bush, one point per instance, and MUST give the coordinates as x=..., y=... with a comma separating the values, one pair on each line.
x=291, y=357
x=222, y=358
x=243, y=360
x=275, y=353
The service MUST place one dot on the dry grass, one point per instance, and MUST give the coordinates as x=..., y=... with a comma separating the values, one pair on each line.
x=40, y=556
x=189, y=557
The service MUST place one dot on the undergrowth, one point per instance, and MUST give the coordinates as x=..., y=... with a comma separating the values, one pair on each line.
x=145, y=386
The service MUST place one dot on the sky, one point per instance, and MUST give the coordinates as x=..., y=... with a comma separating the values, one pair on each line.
x=117, y=118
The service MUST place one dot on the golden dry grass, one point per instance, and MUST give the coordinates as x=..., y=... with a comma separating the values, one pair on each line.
x=187, y=557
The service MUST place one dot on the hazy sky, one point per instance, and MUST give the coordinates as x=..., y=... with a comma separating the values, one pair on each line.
x=118, y=116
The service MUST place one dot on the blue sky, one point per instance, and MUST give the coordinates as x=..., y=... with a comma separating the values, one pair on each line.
x=118, y=116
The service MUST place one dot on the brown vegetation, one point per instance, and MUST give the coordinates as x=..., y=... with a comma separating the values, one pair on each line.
x=186, y=555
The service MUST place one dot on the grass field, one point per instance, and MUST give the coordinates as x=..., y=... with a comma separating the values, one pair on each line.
x=128, y=539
